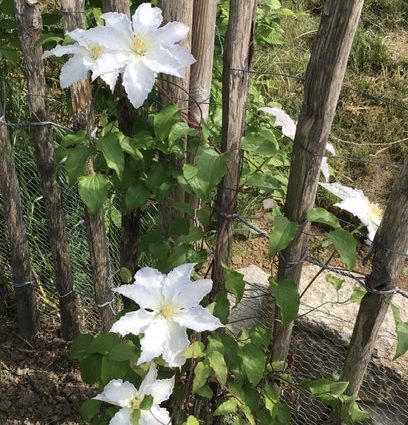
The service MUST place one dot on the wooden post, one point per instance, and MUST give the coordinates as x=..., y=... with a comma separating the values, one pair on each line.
x=130, y=232
x=29, y=25
x=176, y=90
x=27, y=315
x=84, y=119
x=324, y=79
x=390, y=241
x=237, y=62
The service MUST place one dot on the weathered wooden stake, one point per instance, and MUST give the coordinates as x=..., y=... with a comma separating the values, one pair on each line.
x=29, y=25
x=84, y=119
x=237, y=62
x=27, y=316
x=390, y=241
x=324, y=79
x=177, y=92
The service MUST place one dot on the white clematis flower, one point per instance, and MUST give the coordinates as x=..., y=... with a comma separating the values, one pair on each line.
x=85, y=55
x=355, y=202
x=141, y=49
x=288, y=126
x=169, y=304
x=128, y=398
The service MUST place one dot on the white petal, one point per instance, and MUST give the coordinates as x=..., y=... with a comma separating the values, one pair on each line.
x=59, y=51
x=161, y=390
x=177, y=280
x=155, y=416
x=177, y=342
x=343, y=192
x=160, y=60
x=134, y=322
x=149, y=277
x=111, y=79
x=123, y=417
x=119, y=21
x=183, y=56
x=138, y=81
x=109, y=37
x=282, y=120
x=198, y=318
x=76, y=35
x=146, y=18
x=330, y=148
x=118, y=393
x=372, y=230
x=153, y=341
x=145, y=296
x=149, y=379
x=358, y=207
x=73, y=71
x=193, y=293
x=171, y=33
x=109, y=63
x=324, y=168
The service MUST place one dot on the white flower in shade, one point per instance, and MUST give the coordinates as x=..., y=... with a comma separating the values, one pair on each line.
x=169, y=304
x=142, y=49
x=355, y=202
x=128, y=398
x=85, y=54
x=282, y=120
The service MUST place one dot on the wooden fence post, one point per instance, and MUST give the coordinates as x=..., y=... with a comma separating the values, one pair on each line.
x=324, y=79
x=177, y=92
x=27, y=315
x=390, y=241
x=29, y=25
x=237, y=61
x=130, y=231
x=84, y=119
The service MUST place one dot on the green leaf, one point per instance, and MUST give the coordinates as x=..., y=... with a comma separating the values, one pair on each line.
x=222, y=307
x=262, y=142
x=80, y=345
x=89, y=409
x=401, y=329
x=345, y=245
x=234, y=283
x=321, y=215
x=94, y=191
x=219, y=367
x=253, y=363
x=178, y=132
x=133, y=146
x=75, y=163
x=125, y=275
x=287, y=298
x=358, y=294
x=229, y=406
x=260, y=335
x=123, y=351
x=90, y=368
x=194, y=351
x=334, y=280
x=357, y=414
x=282, y=235
x=205, y=391
x=104, y=343
x=111, y=369
x=112, y=152
x=147, y=402
x=201, y=374
x=192, y=420
x=164, y=121
x=136, y=196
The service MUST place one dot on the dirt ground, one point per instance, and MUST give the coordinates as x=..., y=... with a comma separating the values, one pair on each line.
x=39, y=384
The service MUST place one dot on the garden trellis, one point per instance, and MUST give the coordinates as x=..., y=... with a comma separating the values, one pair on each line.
x=115, y=252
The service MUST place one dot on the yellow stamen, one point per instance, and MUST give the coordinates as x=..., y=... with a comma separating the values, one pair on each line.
x=95, y=50
x=135, y=403
x=167, y=310
x=376, y=213
x=139, y=46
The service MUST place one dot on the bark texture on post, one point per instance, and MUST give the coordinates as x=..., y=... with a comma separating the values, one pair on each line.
x=27, y=315
x=324, y=79
x=176, y=91
x=29, y=25
x=237, y=60
x=387, y=264
x=130, y=232
x=84, y=119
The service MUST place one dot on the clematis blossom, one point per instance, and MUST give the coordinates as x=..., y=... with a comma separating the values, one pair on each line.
x=169, y=304
x=140, y=49
x=355, y=202
x=283, y=120
x=129, y=399
x=84, y=57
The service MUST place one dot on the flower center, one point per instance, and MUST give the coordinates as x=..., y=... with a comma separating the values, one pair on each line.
x=376, y=213
x=139, y=46
x=135, y=403
x=95, y=50
x=167, y=310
